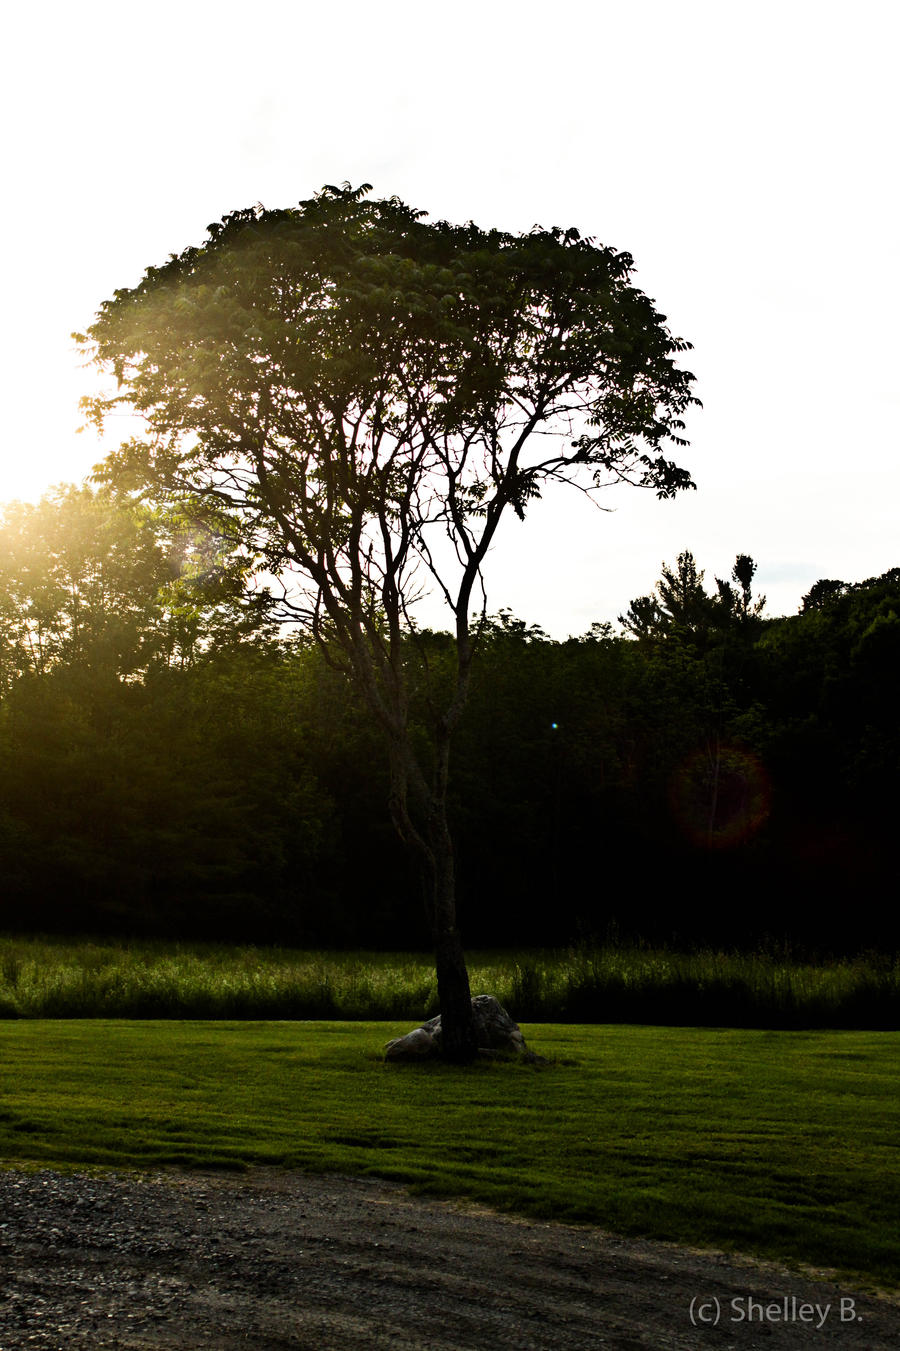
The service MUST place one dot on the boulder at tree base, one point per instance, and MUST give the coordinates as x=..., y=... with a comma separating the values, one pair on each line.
x=495, y=1032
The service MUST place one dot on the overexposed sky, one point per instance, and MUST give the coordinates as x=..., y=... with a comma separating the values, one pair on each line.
x=745, y=154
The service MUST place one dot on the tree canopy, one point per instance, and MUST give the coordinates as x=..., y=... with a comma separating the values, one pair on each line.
x=86, y=577
x=357, y=382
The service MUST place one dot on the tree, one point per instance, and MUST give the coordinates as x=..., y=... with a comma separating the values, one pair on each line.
x=684, y=601
x=79, y=580
x=86, y=578
x=680, y=607
x=699, y=645
x=740, y=606
x=821, y=593
x=369, y=395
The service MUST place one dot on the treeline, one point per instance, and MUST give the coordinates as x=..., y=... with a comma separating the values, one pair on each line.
x=173, y=763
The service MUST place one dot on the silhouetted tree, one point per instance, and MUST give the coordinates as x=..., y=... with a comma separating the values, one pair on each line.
x=683, y=599
x=679, y=607
x=682, y=608
x=740, y=605
x=361, y=389
x=821, y=592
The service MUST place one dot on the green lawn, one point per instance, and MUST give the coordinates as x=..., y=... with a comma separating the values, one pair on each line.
x=782, y=1144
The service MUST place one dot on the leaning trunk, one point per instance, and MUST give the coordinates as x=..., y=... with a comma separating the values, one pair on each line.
x=454, y=994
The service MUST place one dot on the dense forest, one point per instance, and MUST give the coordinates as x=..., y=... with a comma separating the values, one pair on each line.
x=175, y=762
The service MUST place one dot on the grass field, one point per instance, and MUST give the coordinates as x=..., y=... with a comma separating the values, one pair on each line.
x=102, y=979
x=782, y=1144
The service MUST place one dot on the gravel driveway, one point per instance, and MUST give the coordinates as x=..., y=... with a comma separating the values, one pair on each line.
x=271, y=1261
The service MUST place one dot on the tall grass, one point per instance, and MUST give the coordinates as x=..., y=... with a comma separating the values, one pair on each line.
x=634, y=985
x=55, y=978
x=43, y=978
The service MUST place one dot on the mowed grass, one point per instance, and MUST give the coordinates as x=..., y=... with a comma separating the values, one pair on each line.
x=65, y=978
x=782, y=1144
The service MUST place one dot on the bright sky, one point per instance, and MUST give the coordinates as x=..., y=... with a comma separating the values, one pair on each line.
x=745, y=154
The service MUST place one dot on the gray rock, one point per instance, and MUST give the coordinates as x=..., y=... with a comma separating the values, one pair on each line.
x=415, y=1045
x=495, y=1032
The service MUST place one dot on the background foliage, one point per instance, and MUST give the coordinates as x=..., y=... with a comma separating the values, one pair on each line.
x=172, y=764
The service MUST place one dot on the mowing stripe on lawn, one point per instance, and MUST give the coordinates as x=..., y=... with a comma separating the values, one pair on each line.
x=782, y=1144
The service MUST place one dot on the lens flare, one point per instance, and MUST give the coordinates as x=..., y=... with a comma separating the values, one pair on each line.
x=720, y=795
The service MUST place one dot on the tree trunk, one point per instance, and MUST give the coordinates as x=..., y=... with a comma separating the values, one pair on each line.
x=420, y=816
x=454, y=994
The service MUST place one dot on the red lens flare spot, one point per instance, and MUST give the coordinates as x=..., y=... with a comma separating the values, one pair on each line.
x=720, y=796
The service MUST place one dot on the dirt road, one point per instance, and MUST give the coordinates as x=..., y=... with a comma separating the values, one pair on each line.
x=273, y=1261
